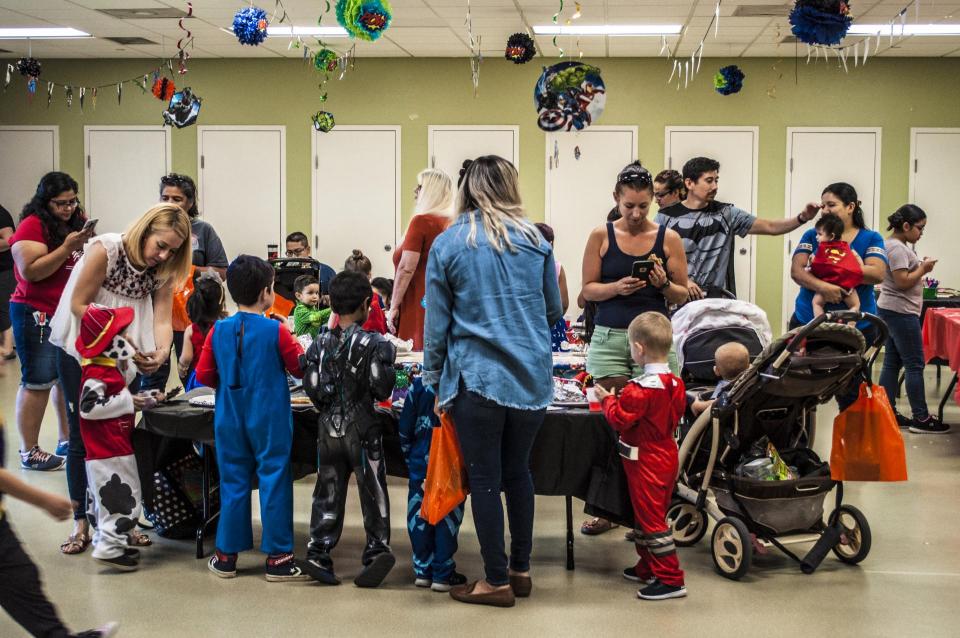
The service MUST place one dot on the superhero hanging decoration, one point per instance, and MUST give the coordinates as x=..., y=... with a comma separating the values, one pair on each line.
x=364, y=19
x=569, y=95
x=520, y=48
x=183, y=109
x=30, y=68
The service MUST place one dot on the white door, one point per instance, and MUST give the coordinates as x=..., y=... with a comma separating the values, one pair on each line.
x=30, y=152
x=817, y=157
x=934, y=165
x=736, y=148
x=450, y=145
x=582, y=173
x=124, y=167
x=356, y=195
x=243, y=185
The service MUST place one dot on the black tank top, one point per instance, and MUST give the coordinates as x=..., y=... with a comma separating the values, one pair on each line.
x=619, y=311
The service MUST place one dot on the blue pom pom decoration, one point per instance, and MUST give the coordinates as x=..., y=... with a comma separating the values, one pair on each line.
x=728, y=80
x=250, y=25
x=820, y=23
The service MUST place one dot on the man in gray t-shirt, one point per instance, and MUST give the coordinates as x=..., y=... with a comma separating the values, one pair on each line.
x=207, y=247
x=707, y=227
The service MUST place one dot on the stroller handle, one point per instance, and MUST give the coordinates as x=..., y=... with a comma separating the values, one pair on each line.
x=873, y=349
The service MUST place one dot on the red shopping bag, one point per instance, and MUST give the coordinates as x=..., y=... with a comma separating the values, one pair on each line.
x=867, y=444
x=445, y=486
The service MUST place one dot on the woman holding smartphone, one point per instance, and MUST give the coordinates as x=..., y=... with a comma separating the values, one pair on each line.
x=630, y=266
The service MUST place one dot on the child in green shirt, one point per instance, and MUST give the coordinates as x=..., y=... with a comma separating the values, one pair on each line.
x=308, y=318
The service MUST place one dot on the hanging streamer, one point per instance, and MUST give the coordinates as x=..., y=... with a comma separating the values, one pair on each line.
x=68, y=92
x=475, y=56
x=182, y=54
x=93, y=98
x=6, y=80
x=83, y=94
x=50, y=86
x=119, y=93
x=690, y=68
x=556, y=19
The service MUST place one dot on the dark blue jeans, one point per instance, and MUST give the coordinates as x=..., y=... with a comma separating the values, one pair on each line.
x=496, y=443
x=69, y=371
x=904, y=350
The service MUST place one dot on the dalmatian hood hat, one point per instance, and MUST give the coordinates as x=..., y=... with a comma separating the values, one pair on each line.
x=98, y=326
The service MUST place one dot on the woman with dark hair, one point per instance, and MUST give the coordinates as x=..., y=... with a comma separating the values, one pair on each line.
x=668, y=188
x=900, y=303
x=840, y=199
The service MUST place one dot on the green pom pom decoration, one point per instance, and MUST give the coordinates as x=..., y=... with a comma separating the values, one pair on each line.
x=403, y=380
x=325, y=60
x=364, y=19
x=323, y=121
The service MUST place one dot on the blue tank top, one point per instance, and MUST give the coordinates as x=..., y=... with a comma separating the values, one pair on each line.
x=619, y=311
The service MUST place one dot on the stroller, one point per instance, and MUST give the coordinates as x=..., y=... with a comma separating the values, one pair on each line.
x=775, y=399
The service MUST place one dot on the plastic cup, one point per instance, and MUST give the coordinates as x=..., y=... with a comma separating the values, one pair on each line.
x=592, y=402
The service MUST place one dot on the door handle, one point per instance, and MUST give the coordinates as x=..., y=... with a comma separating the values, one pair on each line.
x=387, y=248
x=743, y=251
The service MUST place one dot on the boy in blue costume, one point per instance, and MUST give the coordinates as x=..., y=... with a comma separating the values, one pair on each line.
x=244, y=358
x=433, y=545
x=346, y=371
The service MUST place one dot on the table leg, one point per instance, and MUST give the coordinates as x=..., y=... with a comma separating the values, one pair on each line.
x=569, y=508
x=204, y=498
x=946, y=395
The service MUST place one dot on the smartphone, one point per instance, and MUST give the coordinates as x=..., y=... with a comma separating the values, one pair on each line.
x=90, y=225
x=642, y=269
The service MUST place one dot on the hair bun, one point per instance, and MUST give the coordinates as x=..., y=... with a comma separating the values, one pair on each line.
x=357, y=254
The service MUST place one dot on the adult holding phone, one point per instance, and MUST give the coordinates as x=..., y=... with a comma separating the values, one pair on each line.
x=630, y=266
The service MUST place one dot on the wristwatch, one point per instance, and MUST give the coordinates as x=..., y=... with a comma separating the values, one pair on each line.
x=665, y=284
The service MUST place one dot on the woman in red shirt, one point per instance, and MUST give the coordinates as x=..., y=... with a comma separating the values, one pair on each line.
x=434, y=196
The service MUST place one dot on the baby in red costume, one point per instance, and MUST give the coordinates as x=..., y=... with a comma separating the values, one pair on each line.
x=646, y=415
x=835, y=263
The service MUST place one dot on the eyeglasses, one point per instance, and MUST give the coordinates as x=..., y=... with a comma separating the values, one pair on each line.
x=65, y=203
x=661, y=194
x=296, y=252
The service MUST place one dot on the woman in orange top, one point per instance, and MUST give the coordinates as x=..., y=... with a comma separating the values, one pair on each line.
x=434, y=196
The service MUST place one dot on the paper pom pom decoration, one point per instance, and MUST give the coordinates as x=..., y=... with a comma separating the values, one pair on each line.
x=250, y=25
x=163, y=89
x=364, y=19
x=569, y=95
x=29, y=67
x=325, y=60
x=183, y=109
x=728, y=80
x=520, y=48
x=823, y=22
x=323, y=121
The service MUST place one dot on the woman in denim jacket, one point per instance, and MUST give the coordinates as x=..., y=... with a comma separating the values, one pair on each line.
x=491, y=298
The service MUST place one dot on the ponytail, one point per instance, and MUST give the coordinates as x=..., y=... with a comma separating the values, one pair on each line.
x=906, y=214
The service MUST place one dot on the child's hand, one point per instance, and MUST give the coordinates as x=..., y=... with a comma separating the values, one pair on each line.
x=601, y=392
x=57, y=507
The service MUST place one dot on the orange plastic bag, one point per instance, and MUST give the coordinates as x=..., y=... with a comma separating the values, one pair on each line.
x=867, y=444
x=179, y=318
x=445, y=486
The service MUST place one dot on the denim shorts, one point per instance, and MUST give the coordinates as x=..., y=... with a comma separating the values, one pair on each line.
x=38, y=357
x=609, y=355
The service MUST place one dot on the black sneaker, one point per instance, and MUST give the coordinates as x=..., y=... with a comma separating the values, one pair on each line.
x=456, y=578
x=132, y=553
x=320, y=570
x=902, y=421
x=123, y=562
x=375, y=571
x=110, y=629
x=930, y=425
x=223, y=565
x=630, y=574
x=660, y=591
x=284, y=568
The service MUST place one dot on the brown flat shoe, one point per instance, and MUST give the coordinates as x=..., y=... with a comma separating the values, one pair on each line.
x=498, y=598
x=521, y=586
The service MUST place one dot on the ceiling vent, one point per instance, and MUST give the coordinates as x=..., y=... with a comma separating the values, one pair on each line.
x=148, y=13
x=762, y=10
x=128, y=41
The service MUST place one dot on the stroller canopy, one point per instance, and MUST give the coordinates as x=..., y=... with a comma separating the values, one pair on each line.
x=700, y=327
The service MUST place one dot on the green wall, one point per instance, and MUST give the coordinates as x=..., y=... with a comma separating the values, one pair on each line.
x=895, y=94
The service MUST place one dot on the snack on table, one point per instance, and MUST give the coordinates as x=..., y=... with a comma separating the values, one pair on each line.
x=567, y=391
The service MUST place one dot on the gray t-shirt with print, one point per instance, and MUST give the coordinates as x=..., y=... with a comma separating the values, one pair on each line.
x=207, y=247
x=906, y=302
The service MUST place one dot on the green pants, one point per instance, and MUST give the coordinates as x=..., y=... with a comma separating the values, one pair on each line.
x=609, y=355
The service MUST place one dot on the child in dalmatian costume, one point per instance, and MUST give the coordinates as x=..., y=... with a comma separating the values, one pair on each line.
x=106, y=426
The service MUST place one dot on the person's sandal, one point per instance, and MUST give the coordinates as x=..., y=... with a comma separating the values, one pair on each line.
x=138, y=539
x=596, y=526
x=497, y=598
x=75, y=544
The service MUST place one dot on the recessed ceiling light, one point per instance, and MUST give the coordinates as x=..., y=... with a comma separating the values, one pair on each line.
x=610, y=29
x=40, y=33
x=907, y=29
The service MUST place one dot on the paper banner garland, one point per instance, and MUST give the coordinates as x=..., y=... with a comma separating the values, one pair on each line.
x=728, y=80
x=323, y=121
x=163, y=88
x=364, y=19
x=250, y=25
x=569, y=95
x=823, y=22
x=520, y=48
x=183, y=109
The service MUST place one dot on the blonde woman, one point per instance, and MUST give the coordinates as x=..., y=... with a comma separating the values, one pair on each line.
x=492, y=296
x=434, y=197
x=139, y=269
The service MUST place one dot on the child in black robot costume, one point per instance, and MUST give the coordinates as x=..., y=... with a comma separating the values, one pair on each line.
x=346, y=371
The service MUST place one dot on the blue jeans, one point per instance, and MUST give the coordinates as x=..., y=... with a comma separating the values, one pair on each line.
x=38, y=357
x=433, y=545
x=904, y=350
x=496, y=443
x=70, y=372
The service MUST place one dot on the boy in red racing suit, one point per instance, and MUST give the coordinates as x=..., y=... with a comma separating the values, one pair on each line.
x=646, y=415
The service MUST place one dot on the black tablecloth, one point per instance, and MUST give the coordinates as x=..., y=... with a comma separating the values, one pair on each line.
x=574, y=453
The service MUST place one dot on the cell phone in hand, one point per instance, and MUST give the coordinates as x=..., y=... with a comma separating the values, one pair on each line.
x=642, y=269
x=90, y=225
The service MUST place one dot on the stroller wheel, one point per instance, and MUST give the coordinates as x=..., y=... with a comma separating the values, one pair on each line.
x=687, y=524
x=855, y=537
x=732, y=547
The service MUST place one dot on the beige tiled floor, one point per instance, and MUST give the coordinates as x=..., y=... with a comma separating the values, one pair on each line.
x=908, y=586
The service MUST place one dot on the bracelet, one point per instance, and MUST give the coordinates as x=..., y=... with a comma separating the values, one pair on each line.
x=800, y=220
x=665, y=285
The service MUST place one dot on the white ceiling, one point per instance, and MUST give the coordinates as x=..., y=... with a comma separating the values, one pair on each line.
x=435, y=28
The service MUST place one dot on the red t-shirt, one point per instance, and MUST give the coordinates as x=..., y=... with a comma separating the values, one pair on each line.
x=43, y=295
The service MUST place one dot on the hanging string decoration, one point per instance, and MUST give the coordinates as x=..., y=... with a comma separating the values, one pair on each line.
x=163, y=88
x=823, y=22
x=555, y=18
x=183, y=109
x=29, y=68
x=364, y=19
x=684, y=69
x=323, y=121
x=182, y=54
x=728, y=80
x=569, y=95
x=250, y=25
x=520, y=48
x=476, y=56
